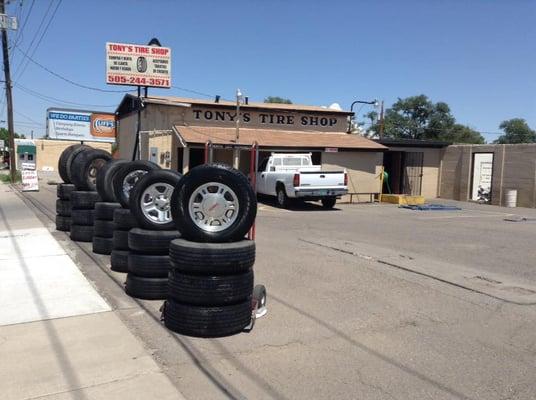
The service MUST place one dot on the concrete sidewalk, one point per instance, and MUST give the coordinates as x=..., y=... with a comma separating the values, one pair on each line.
x=59, y=339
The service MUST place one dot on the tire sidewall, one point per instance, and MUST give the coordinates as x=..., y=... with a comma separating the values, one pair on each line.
x=230, y=177
x=152, y=177
x=80, y=167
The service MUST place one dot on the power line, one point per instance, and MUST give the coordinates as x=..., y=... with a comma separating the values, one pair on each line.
x=20, y=34
x=30, y=59
x=42, y=34
x=58, y=101
x=33, y=39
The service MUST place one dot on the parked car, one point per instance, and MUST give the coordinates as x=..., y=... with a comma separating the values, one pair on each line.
x=293, y=176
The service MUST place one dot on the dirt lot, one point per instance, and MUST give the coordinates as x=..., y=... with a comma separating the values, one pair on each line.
x=365, y=301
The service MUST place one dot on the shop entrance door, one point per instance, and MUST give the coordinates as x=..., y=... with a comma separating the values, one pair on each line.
x=413, y=163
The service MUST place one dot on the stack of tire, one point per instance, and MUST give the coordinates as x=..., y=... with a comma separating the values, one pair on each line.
x=78, y=165
x=148, y=260
x=121, y=182
x=104, y=210
x=63, y=206
x=211, y=276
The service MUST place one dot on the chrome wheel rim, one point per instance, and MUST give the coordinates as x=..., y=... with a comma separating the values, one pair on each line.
x=213, y=207
x=155, y=203
x=130, y=180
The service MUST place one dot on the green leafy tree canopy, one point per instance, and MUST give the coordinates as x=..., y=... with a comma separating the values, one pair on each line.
x=4, y=135
x=277, y=99
x=516, y=130
x=417, y=117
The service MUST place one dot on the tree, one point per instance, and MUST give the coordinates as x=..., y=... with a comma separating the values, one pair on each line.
x=417, y=117
x=4, y=135
x=462, y=134
x=277, y=99
x=516, y=130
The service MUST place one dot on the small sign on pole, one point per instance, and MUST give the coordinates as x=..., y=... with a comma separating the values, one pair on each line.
x=29, y=180
x=7, y=22
x=137, y=65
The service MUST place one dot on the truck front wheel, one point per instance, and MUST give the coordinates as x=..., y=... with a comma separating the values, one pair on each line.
x=329, y=202
x=282, y=198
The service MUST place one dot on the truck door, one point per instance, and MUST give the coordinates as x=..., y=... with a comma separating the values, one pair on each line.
x=261, y=176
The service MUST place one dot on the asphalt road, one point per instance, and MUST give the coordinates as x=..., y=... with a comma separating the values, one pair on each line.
x=343, y=325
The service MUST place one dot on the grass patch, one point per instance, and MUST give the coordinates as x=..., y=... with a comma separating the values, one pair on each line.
x=6, y=177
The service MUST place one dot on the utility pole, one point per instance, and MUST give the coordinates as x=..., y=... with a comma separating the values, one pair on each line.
x=236, y=150
x=9, y=100
x=381, y=121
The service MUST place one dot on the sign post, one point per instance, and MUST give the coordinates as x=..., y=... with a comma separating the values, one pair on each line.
x=141, y=66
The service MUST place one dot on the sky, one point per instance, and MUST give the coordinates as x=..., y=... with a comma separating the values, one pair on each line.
x=479, y=56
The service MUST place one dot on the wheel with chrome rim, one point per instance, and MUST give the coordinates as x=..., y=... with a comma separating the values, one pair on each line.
x=150, y=200
x=213, y=207
x=127, y=177
x=214, y=203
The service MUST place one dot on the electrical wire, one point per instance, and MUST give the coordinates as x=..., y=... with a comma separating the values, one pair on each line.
x=20, y=33
x=30, y=59
x=19, y=67
x=59, y=101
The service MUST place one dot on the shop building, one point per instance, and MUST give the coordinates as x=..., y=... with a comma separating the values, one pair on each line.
x=413, y=166
x=43, y=154
x=175, y=132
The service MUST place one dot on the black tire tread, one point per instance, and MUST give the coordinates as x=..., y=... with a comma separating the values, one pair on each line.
x=120, y=240
x=81, y=233
x=102, y=245
x=212, y=290
x=149, y=266
x=119, y=260
x=104, y=229
x=146, y=288
x=84, y=199
x=151, y=242
x=63, y=190
x=206, y=322
x=63, y=223
x=63, y=208
x=105, y=210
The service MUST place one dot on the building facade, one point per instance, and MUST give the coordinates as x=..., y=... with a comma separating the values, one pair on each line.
x=176, y=131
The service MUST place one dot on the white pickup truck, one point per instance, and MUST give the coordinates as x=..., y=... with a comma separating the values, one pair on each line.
x=294, y=176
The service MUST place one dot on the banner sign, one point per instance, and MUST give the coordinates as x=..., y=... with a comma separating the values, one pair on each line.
x=29, y=180
x=80, y=125
x=136, y=65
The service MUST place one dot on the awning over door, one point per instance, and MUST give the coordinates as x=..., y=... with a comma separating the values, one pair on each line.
x=270, y=138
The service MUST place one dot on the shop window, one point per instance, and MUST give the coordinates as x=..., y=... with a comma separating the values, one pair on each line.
x=21, y=156
x=30, y=157
x=292, y=162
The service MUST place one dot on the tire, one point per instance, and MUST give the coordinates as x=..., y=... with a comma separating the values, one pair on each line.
x=85, y=167
x=105, y=211
x=105, y=178
x=124, y=220
x=84, y=200
x=63, y=223
x=328, y=202
x=234, y=181
x=81, y=233
x=120, y=240
x=151, y=242
x=104, y=229
x=154, y=189
x=214, y=290
x=83, y=217
x=146, y=288
x=119, y=260
x=212, y=258
x=63, y=208
x=102, y=245
x=64, y=162
x=127, y=176
x=63, y=191
x=206, y=322
x=149, y=266
x=281, y=197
